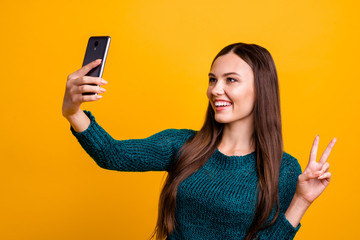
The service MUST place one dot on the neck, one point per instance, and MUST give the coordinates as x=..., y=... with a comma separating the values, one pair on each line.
x=237, y=138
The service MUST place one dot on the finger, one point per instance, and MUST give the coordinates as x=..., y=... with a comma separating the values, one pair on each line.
x=327, y=151
x=326, y=176
x=85, y=69
x=307, y=175
x=89, y=80
x=90, y=98
x=90, y=88
x=314, y=149
x=325, y=167
x=79, y=98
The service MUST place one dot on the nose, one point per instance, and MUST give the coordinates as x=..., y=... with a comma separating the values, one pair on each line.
x=218, y=89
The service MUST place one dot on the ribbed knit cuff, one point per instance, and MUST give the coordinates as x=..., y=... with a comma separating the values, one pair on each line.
x=281, y=230
x=94, y=137
x=288, y=226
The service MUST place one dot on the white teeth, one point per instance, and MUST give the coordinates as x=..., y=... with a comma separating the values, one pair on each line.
x=219, y=104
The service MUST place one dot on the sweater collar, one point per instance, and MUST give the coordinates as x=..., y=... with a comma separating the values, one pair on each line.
x=233, y=162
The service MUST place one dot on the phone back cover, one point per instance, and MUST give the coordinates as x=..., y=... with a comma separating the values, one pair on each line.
x=96, y=48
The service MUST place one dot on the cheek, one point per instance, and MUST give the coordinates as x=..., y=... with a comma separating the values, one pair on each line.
x=208, y=93
x=249, y=100
x=243, y=100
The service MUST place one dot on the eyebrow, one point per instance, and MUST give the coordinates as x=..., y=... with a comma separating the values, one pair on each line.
x=225, y=74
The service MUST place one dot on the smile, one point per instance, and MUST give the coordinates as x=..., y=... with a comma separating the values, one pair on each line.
x=219, y=104
x=222, y=107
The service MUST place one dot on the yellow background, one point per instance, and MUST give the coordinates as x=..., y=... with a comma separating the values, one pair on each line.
x=157, y=67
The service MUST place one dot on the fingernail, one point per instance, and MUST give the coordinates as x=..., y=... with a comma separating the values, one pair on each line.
x=104, y=82
x=99, y=60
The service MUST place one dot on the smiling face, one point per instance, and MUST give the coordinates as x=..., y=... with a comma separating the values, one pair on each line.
x=231, y=79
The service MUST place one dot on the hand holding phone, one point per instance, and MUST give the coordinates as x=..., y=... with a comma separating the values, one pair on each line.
x=97, y=48
x=77, y=83
x=83, y=85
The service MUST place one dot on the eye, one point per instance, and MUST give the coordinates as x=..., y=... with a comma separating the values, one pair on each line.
x=211, y=79
x=232, y=79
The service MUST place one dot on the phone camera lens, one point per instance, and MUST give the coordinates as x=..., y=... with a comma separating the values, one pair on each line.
x=96, y=43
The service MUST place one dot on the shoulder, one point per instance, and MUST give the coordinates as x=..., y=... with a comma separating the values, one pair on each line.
x=290, y=164
x=187, y=132
x=174, y=135
x=178, y=132
x=290, y=170
x=288, y=176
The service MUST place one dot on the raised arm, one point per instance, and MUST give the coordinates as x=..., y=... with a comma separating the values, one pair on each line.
x=154, y=153
x=299, y=194
x=311, y=183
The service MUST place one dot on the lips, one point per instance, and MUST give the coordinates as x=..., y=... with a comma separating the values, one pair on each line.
x=221, y=100
x=222, y=108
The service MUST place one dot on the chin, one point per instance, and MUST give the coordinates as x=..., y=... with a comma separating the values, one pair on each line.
x=222, y=120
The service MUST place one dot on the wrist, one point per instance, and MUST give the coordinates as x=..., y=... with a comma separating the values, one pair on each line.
x=300, y=202
x=79, y=121
x=296, y=210
x=74, y=115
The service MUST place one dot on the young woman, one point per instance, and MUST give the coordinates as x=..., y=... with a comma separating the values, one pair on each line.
x=229, y=180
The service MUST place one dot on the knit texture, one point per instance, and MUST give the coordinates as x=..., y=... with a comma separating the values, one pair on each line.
x=216, y=202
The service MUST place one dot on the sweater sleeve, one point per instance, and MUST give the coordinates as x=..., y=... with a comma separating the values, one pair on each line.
x=154, y=153
x=282, y=229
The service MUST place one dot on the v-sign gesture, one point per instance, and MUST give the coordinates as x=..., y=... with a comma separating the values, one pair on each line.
x=315, y=178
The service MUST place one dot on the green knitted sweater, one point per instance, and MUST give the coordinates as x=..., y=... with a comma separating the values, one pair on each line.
x=216, y=202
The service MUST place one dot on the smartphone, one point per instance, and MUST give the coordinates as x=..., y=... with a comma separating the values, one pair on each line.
x=97, y=47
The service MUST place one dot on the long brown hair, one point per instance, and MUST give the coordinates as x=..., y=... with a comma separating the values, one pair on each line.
x=267, y=136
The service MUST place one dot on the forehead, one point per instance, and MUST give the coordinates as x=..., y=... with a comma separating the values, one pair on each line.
x=231, y=62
